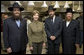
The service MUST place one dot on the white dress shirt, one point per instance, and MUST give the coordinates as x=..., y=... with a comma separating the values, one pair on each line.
x=67, y=23
x=53, y=19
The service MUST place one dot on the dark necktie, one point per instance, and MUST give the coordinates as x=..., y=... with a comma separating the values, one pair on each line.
x=52, y=21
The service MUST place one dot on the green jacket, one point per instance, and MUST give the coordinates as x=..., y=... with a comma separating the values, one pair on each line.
x=36, y=32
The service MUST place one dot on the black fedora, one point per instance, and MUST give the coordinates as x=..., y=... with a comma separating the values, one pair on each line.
x=69, y=10
x=15, y=5
x=51, y=8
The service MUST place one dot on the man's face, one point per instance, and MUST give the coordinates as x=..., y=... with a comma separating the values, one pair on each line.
x=6, y=16
x=51, y=13
x=81, y=14
x=69, y=16
x=16, y=12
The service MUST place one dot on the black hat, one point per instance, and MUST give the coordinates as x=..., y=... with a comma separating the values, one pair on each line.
x=69, y=10
x=51, y=8
x=15, y=5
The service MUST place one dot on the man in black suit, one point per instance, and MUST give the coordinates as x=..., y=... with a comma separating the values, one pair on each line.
x=15, y=32
x=80, y=20
x=53, y=27
x=70, y=31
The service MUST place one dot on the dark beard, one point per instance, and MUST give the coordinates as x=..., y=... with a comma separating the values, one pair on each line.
x=17, y=17
x=50, y=16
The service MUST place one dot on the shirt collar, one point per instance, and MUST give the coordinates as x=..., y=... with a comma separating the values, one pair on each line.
x=54, y=17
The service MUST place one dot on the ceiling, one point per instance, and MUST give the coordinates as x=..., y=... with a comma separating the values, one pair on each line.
x=38, y=5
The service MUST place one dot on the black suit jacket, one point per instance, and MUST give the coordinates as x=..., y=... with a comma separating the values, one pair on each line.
x=14, y=36
x=71, y=33
x=53, y=29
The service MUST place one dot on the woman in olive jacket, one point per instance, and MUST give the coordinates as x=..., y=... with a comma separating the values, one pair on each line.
x=36, y=34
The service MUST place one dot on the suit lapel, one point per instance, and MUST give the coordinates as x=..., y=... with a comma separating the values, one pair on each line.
x=50, y=21
x=16, y=23
x=70, y=24
x=64, y=24
x=20, y=23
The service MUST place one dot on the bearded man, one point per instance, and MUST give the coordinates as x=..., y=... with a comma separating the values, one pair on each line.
x=53, y=27
x=15, y=32
x=70, y=31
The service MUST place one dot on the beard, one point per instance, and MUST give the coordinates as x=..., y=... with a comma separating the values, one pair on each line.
x=51, y=16
x=69, y=18
x=17, y=17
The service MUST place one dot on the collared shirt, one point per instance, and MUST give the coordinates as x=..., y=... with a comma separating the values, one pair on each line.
x=18, y=23
x=53, y=19
x=67, y=23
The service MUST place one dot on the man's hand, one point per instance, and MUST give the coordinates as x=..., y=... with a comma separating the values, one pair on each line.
x=9, y=50
x=77, y=45
x=52, y=37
